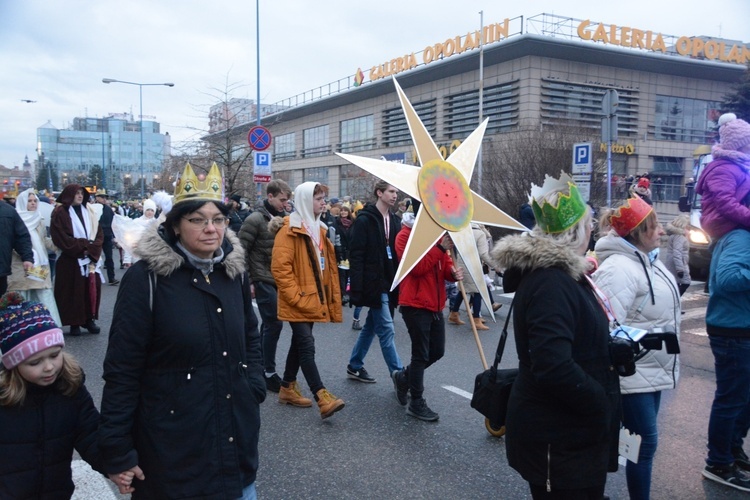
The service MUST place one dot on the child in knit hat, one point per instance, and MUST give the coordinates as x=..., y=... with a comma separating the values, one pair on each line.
x=724, y=186
x=45, y=409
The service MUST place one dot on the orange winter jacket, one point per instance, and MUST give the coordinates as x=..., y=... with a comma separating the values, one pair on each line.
x=304, y=293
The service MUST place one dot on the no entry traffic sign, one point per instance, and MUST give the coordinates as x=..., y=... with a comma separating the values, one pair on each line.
x=259, y=138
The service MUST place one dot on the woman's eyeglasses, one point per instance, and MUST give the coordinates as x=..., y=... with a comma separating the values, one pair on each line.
x=218, y=222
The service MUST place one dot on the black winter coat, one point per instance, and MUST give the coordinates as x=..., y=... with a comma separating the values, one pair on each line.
x=37, y=441
x=13, y=236
x=343, y=242
x=371, y=270
x=183, y=376
x=564, y=410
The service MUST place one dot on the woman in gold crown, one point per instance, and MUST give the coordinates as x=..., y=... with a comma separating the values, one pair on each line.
x=563, y=413
x=183, y=372
x=35, y=285
x=644, y=295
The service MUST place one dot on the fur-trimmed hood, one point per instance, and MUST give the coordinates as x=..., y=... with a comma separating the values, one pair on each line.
x=670, y=230
x=529, y=251
x=275, y=224
x=163, y=258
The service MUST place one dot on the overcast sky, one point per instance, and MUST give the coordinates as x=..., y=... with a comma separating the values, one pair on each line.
x=57, y=52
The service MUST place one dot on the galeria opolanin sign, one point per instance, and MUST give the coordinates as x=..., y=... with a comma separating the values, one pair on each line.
x=611, y=34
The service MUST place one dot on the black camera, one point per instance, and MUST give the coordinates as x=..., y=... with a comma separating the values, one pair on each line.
x=622, y=355
x=654, y=339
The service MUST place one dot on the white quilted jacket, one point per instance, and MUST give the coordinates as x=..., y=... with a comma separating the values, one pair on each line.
x=623, y=277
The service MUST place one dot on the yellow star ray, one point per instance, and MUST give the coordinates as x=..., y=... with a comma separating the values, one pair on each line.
x=427, y=231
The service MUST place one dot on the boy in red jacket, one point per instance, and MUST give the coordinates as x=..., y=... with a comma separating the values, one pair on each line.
x=421, y=300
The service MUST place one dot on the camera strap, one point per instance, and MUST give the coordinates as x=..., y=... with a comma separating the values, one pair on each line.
x=603, y=302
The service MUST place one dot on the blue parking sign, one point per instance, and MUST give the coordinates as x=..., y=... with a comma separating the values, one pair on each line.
x=582, y=158
x=262, y=159
x=261, y=166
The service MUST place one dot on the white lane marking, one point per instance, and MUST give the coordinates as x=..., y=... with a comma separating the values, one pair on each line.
x=90, y=485
x=458, y=391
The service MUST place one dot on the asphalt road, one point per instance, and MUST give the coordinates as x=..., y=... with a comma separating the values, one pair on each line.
x=372, y=449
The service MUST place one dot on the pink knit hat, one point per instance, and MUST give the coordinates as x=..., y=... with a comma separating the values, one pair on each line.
x=734, y=132
x=26, y=328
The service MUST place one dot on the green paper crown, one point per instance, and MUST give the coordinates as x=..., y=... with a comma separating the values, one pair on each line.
x=569, y=210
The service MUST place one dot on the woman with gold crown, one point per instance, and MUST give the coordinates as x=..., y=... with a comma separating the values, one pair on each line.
x=183, y=371
x=563, y=414
x=644, y=295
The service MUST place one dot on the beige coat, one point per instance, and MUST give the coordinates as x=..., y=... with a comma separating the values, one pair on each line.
x=17, y=280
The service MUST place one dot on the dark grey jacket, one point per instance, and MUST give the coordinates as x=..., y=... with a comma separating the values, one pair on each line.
x=257, y=241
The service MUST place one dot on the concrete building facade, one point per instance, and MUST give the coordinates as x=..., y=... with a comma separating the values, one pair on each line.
x=552, y=73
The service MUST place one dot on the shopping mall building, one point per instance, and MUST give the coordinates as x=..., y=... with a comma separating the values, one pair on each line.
x=536, y=73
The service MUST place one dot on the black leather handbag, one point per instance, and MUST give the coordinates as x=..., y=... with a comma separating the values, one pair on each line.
x=492, y=387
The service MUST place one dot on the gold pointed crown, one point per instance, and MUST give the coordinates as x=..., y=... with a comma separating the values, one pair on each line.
x=190, y=187
x=570, y=207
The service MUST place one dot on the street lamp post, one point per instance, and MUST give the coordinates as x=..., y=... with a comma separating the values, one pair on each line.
x=140, y=99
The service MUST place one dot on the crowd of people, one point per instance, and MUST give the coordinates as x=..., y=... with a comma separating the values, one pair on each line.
x=597, y=338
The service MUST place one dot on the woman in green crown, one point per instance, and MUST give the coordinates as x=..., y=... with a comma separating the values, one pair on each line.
x=563, y=414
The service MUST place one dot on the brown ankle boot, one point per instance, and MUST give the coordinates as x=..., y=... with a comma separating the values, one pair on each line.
x=479, y=324
x=454, y=319
x=292, y=396
x=328, y=403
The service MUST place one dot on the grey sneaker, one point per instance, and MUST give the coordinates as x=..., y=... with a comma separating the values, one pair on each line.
x=360, y=375
x=418, y=408
x=401, y=385
x=728, y=475
x=356, y=325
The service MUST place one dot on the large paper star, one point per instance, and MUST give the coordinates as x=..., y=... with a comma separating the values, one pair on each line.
x=448, y=204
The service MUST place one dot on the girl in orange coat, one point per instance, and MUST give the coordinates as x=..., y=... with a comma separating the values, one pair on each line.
x=303, y=263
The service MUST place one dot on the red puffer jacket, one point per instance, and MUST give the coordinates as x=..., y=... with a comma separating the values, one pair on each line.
x=424, y=286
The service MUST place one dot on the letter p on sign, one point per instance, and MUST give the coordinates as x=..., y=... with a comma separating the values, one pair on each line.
x=582, y=158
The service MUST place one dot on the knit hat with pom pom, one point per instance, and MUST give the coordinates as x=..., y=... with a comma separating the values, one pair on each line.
x=734, y=132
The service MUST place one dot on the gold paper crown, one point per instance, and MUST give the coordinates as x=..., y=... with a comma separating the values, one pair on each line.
x=570, y=207
x=190, y=187
x=38, y=273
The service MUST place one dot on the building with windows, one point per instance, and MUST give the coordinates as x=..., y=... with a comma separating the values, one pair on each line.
x=110, y=146
x=543, y=72
x=236, y=111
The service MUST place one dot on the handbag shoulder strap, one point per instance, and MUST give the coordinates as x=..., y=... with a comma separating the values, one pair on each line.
x=503, y=336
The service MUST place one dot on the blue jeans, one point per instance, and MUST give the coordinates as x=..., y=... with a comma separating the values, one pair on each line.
x=379, y=322
x=640, y=412
x=730, y=411
x=270, y=329
x=249, y=493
